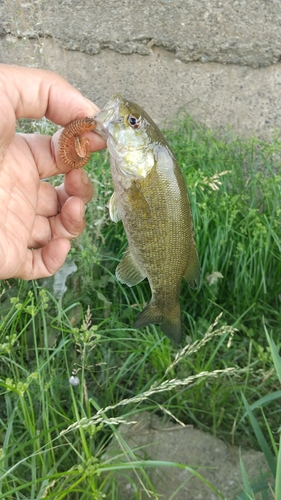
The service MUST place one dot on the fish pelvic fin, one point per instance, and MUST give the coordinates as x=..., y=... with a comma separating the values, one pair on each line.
x=170, y=323
x=192, y=273
x=128, y=272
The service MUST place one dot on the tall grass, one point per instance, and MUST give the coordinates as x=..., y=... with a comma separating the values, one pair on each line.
x=234, y=189
x=270, y=444
x=235, y=195
x=53, y=435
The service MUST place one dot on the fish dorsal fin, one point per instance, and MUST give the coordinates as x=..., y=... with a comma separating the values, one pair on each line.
x=128, y=272
x=113, y=209
x=192, y=273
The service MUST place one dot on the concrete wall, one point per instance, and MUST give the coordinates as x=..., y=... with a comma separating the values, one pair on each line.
x=218, y=60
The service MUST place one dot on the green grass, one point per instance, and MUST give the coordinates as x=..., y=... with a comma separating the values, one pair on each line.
x=265, y=483
x=53, y=436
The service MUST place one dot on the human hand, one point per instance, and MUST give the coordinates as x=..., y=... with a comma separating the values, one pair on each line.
x=37, y=220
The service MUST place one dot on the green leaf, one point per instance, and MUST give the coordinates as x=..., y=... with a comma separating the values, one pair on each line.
x=275, y=355
x=260, y=437
x=278, y=473
x=248, y=492
x=264, y=400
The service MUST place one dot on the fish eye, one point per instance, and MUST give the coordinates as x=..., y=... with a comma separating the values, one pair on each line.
x=134, y=121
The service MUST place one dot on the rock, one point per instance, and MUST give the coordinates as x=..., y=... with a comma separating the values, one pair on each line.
x=152, y=439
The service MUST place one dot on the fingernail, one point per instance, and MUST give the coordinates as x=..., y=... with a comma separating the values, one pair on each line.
x=94, y=107
x=85, y=178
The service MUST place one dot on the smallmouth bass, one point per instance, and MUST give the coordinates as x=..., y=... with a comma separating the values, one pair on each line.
x=151, y=199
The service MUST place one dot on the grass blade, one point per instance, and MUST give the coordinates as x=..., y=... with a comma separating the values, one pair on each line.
x=275, y=355
x=260, y=437
x=278, y=474
x=248, y=492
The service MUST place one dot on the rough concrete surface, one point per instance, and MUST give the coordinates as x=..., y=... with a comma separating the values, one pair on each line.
x=245, y=32
x=99, y=46
x=217, y=60
x=216, y=95
x=217, y=462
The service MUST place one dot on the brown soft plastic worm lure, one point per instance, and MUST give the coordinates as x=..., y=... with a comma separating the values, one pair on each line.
x=74, y=148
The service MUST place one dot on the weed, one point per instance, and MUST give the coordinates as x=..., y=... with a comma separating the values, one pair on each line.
x=53, y=434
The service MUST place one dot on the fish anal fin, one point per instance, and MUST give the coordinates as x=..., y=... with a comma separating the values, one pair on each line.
x=170, y=323
x=128, y=272
x=192, y=273
x=149, y=316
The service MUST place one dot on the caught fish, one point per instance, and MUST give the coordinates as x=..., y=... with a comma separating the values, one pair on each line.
x=151, y=199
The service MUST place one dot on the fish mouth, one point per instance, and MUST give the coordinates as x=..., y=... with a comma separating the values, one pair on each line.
x=108, y=116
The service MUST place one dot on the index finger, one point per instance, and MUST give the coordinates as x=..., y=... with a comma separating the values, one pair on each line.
x=34, y=93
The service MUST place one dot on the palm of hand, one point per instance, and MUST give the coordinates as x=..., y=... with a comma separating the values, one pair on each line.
x=36, y=219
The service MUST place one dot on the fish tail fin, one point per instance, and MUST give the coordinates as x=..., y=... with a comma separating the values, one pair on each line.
x=170, y=323
x=171, y=326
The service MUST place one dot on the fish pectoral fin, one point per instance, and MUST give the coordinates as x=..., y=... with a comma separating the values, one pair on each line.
x=128, y=272
x=114, y=213
x=170, y=323
x=192, y=273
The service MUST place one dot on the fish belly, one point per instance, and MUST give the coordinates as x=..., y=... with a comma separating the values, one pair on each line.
x=157, y=220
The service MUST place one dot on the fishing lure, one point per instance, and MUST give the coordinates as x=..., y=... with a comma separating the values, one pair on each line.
x=74, y=147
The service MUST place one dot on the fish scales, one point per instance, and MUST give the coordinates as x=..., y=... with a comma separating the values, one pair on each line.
x=162, y=232
x=151, y=199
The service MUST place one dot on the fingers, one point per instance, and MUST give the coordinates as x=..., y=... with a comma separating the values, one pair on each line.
x=35, y=93
x=41, y=233
x=7, y=121
x=32, y=93
x=45, y=261
x=51, y=199
x=49, y=259
x=96, y=144
x=48, y=203
x=76, y=183
x=69, y=223
x=60, y=211
x=45, y=151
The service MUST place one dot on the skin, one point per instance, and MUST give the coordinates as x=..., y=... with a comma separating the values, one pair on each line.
x=37, y=221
